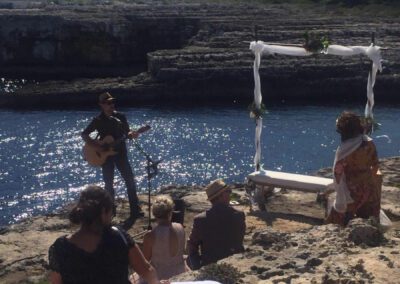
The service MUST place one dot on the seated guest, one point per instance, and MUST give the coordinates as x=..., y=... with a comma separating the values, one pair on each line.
x=356, y=175
x=164, y=246
x=97, y=252
x=217, y=232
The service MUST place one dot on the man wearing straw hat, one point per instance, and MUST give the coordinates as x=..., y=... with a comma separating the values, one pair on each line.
x=218, y=232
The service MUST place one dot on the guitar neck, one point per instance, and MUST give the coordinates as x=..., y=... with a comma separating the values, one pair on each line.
x=143, y=129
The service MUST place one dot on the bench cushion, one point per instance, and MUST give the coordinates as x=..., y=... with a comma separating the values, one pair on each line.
x=290, y=181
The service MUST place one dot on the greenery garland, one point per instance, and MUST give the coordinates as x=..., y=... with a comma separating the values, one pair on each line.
x=370, y=124
x=256, y=112
x=315, y=43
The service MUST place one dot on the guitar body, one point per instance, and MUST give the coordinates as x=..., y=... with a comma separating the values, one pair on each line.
x=98, y=158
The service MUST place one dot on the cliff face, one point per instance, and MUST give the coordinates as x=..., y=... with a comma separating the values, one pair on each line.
x=87, y=37
x=192, y=52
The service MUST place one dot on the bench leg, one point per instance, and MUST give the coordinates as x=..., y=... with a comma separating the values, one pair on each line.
x=260, y=198
x=258, y=195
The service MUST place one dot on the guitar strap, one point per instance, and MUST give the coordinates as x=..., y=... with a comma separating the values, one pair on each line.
x=117, y=120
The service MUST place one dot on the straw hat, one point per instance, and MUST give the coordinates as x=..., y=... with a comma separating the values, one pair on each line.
x=215, y=188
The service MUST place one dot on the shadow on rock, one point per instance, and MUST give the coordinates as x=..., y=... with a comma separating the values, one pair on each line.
x=270, y=217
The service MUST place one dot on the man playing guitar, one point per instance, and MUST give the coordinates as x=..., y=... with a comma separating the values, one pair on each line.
x=114, y=124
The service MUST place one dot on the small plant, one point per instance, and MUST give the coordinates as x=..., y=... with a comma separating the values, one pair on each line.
x=235, y=198
x=42, y=281
x=370, y=124
x=256, y=112
x=395, y=184
x=223, y=273
x=315, y=43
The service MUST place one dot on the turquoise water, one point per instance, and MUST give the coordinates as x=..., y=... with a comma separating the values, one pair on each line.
x=42, y=168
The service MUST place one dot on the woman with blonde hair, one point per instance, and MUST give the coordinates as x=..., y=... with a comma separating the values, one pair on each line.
x=164, y=245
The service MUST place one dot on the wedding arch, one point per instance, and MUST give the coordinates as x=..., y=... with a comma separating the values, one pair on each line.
x=260, y=48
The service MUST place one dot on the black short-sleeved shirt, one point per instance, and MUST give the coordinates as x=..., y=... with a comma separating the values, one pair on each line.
x=107, y=264
x=115, y=125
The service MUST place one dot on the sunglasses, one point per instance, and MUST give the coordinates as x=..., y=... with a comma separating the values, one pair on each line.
x=108, y=103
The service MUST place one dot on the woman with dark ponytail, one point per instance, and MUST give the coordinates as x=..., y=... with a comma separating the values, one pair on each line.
x=96, y=253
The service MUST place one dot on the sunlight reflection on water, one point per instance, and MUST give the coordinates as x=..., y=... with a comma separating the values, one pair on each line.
x=42, y=168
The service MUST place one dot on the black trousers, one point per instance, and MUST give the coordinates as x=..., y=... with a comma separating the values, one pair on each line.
x=120, y=161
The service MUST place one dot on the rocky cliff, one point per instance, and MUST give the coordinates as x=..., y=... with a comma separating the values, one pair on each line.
x=189, y=51
x=286, y=244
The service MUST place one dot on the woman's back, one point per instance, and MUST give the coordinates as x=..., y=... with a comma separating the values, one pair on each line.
x=107, y=263
x=360, y=168
x=168, y=249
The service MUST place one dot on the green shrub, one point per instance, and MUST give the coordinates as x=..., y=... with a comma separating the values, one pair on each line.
x=223, y=273
x=42, y=281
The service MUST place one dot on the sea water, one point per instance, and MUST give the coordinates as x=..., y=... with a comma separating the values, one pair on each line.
x=42, y=167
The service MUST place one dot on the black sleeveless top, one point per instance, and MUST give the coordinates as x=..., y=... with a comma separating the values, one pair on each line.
x=107, y=264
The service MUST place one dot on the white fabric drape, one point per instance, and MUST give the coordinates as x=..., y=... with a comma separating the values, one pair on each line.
x=259, y=48
x=374, y=54
x=342, y=192
x=257, y=156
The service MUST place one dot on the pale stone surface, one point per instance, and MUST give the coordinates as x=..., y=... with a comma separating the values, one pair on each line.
x=286, y=244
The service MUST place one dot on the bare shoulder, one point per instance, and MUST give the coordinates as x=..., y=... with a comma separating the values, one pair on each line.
x=177, y=226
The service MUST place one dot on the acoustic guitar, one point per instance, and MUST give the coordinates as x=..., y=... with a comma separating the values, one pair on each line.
x=96, y=157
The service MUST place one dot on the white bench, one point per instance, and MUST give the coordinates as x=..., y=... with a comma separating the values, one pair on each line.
x=268, y=180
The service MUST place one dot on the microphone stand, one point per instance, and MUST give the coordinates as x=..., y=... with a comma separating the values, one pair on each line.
x=152, y=171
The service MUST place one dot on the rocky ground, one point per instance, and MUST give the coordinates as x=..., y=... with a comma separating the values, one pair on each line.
x=149, y=51
x=286, y=244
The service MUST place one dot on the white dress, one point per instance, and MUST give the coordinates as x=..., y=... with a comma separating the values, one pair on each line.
x=161, y=259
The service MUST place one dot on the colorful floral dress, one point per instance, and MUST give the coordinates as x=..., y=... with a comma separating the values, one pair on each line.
x=364, y=183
